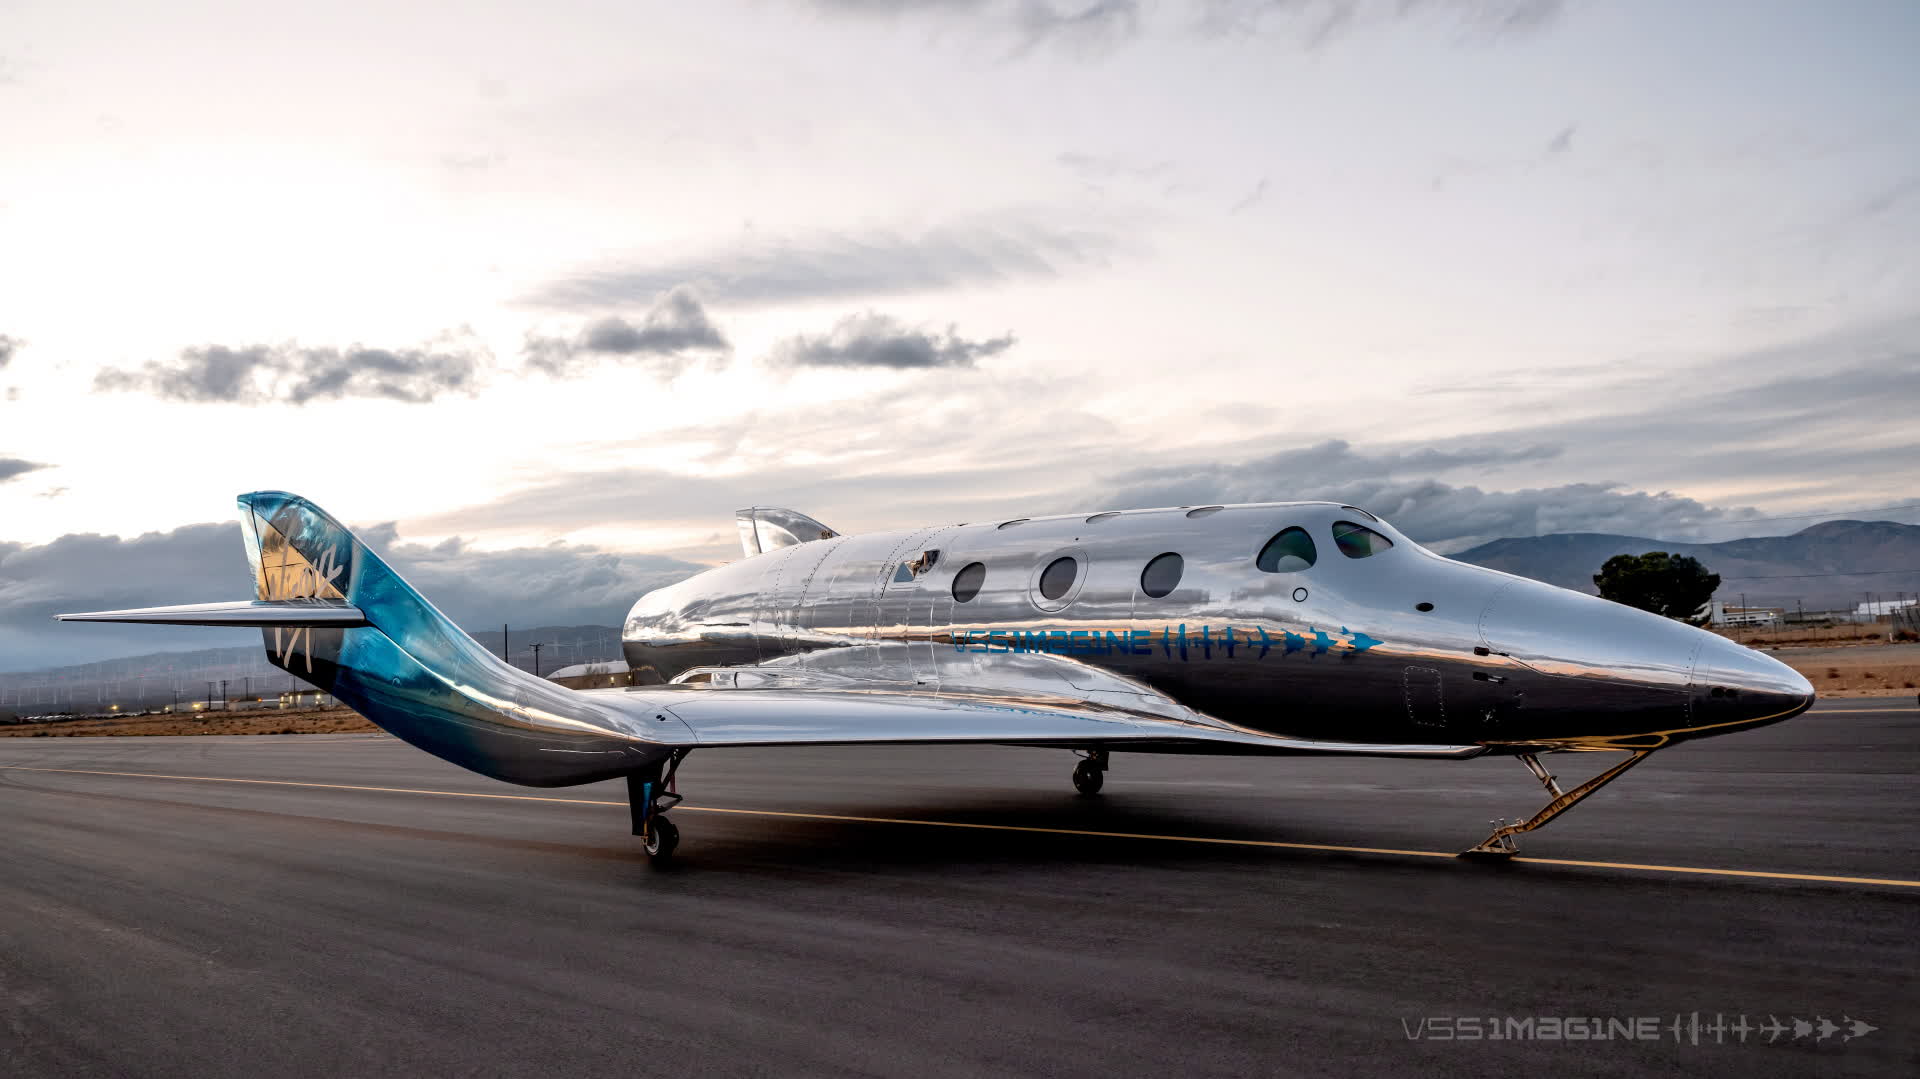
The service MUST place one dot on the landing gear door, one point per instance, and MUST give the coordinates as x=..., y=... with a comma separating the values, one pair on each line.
x=1426, y=706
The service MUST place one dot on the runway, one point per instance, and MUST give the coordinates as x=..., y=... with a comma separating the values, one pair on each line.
x=350, y=909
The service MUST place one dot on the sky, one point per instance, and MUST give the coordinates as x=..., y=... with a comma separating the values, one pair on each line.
x=539, y=297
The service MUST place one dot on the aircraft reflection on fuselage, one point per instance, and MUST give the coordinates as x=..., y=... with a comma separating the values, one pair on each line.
x=1197, y=642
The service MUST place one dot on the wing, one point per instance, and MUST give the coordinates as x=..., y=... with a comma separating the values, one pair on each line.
x=714, y=717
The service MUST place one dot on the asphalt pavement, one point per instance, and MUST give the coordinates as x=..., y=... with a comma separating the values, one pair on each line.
x=352, y=908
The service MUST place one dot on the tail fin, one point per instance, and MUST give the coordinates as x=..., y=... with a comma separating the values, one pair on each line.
x=334, y=615
x=299, y=554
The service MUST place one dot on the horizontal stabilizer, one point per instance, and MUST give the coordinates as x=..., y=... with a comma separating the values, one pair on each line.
x=322, y=614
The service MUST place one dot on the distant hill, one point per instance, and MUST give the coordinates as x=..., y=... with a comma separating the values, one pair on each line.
x=1771, y=570
x=159, y=678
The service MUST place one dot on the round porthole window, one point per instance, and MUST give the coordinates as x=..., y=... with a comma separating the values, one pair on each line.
x=1057, y=579
x=966, y=583
x=1162, y=575
x=1299, y=595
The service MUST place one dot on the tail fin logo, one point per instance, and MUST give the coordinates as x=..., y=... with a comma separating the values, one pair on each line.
x=286, y=574
x=303, y=579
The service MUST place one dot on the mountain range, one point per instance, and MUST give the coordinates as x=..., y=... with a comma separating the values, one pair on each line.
x=160, y=678
x=1827, y=566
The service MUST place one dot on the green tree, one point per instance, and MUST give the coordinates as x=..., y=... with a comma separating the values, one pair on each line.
x=1673, y=585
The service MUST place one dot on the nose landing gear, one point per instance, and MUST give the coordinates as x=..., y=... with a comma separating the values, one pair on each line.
x=1091, y=773
x=1501, y=844
x=650, y=793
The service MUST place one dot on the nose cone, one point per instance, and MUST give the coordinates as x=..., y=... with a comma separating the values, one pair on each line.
x=1733, y=684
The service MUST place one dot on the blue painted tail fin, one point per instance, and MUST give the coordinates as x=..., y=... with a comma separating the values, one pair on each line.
x=410, y=669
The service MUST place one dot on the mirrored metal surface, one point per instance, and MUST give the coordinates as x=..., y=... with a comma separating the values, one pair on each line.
x=1288, y=627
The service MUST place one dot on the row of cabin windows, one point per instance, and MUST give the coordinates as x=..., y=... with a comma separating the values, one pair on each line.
x=1289, y=551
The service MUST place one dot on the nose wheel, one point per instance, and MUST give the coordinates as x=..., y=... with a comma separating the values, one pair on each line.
x=1091, y=773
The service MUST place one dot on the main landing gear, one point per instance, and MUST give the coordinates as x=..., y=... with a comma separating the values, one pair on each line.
x=1501, y=845
x=650, y=793
x=1091, y=773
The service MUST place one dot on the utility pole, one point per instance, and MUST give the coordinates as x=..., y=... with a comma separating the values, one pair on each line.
x=537, y=646
x=223, y=694
x=209, y=696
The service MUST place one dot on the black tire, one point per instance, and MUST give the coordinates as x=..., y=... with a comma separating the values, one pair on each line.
x=662, y=838
x=1088, y=779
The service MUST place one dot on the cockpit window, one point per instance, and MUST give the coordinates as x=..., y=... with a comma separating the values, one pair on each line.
x=1358, y=541
x=1288, y=552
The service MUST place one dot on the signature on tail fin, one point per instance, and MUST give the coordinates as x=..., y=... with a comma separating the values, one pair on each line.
x=281, y=572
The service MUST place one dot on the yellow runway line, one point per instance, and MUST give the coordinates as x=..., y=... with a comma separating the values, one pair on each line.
x=1257, y=843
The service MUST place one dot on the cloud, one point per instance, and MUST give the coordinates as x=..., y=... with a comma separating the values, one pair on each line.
x=897, y=7
x=1315, y=23
x=8, y=347
x=667, y=340
x=831, y=265
x=1824, y=418
x=13, y=468
x=559, y=584
x=1818, y=422
x=1401, y=487
x=875, y=340
x=1085, y=29
x=1081, y=27
x=1253, y=198
x=1100, y=167
x=257, y=373
x=1562, y=142
x=1892, y=197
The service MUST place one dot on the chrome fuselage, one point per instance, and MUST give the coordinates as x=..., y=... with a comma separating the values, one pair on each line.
x=1398, y=645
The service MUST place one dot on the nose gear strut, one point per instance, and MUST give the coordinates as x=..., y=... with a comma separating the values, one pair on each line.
x=1501, y=845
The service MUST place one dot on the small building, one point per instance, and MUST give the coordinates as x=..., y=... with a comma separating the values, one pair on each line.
x=1724, y=615
x=1881, y=608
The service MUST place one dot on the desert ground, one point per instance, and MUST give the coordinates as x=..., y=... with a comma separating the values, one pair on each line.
x=1876, y=670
